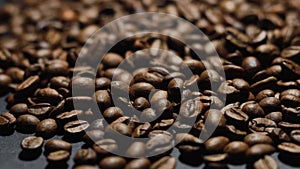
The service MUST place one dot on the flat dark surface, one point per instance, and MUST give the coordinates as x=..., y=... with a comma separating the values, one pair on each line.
x=12, y=157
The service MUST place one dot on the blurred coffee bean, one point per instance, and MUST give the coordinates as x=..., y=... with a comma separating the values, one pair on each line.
x=289, y=148
x=261, y=125
x=165, y=162
x=267, y=162
x=85, y=156
x=92, y=136
x=27, y=123
x=56, y=144
x=140, y=163
x=58, y=156
x=113, y=162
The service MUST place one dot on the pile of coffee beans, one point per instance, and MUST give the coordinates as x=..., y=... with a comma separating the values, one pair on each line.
x=259, y=47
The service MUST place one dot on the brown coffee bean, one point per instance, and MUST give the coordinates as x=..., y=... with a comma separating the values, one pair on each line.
x=253, y=109
x=112, y=59
x=57, y=67
x=165, y=162
x=58, y=156
x=85, y=156
x=216, y=144
x=267, y=162
x=257, y=138
x=160, y=142
x=5, y=80
x=215, y=117
x=295, y=135
x=267, y=52
x=261, y=125
x=142, y=130
x=32, y=143
x=112, y=113
x=7, y=121
x=40, y=109
x=105, y=146
x=93, y=136
x=19, y=109
x=191, y=108
x=259, y=150
x=102, y=83
x=103, y=98
x=290, y=100
x=270, y=104
x=16, y=74
x=69, y=116
x=142, y=89
x=160, y=94
x=251, y=64
x=27, y=123
x=236, y=148
x=113, y=162
x=56, y=144
x=288, y=126
x=46, y=128
x=82, y=85
x=152, y=78
x=236, y=115
x=136, y=149
x=140, y=163
x=86, y=166
x=28, y=85
x=75, y=127
x=187, y=143
x=280, y=135
x=141, y=103
x=215, y=158
x=275, y=116
x=120, y=128
x=59, y=81
x=264, y=94
x=68, y=15
x=289, y=148
x=48, y=95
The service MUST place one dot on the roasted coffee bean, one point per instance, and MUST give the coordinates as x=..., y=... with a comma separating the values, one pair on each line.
x=77, y=126
x=46, y=128
x=48, y=95
x=270, y=104
x=112, y=59
x=236, y=148
x=152, y=78
x=141, y=103
x=165, y=162
x=27, y=123
x=112, y=113
x=5, y=80
x=7, y=121
x=295, y=135
x=252, y=109
x=29, y=84
x=58, y=156
x=235, y=133
x=93, y=136
x=257, y=138
x=40, y=109
x=215, y=117
x=19, y=109
x=160, y=142
x=16, y=74
x=251, y=64
x=267, y=162
x=69, y=116
x=264, y=94
x=259, y=150
x=140, y=163
x=102, y=83
x=142, y=130
x=82, y=85
x=120, y=128
x=136, y=149
x=105, y=146
x=289, y=148
x=141, y=89
x=191, y=108
x=288, y=126
x=98, y=124
x=216, y=144
x=57, y=67
x=148, y=115
x=236, y=116
x=32, y=143
x=56, y=144
x=215, y=158
x=187, y=143
x=86, y=166
x=103, y=98
x=59, y=81
x=290, y=100
x=85, y=156
x=275, y=116
x=280, y=135
x=113, y=162
x=261, y=125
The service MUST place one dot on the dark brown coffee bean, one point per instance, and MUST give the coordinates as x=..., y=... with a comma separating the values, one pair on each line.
x=236, y=115
x=7, y=121
x=140, y=163
x=77, y=126
x=215, y=117
x=259, y=150
x=29, y=84
x=262, y=125
x=112, y=59
x=40, y=109
x=267, y=162
x=46, y=128
x=98, y=124
x=58, y=156
x=270, y=104
x=275, y=116
x=5, y=80
x=48, y=95
x=93, y=136
x=216, y=144
x=165, y=162
x=105, y=146
x=136, y=149
x=290, y=100
x=289, y=148
x=102, y=83
x=267, y=52
x=86, y=166
x=264, y=94
x=266, y=83
x=27, y=123
x=85, y=156
x=191, y=108
x=163, y=106
x=295, y=135
x=236, y=148
x=32, y=143
x=160, y=142
x=257, y=138
x=16, y=74
x=82, y=85
x=59, y=81
x=69, y=116
x=235, y=133
x=120, y=128
x=288, y=126
x=252, y=109
x=294, y=92
x=142, y=130
x=280, y=135
x=215, y=158
x=152, y=78
x=187, y=143
x=113, y=162
x=57, y=67
x=19, y=109
x=141, y=103
x=196, y=66
x=56, y=144
x=102, y=98
x=251, y=64
x=141, y=89
x=112, y=113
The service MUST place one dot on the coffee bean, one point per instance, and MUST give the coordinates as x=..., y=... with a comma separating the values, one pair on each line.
x=257, y=138
x=40, y=109
x=159, y=142
x=76, y=127
x=270, y=104
x=112, y=113
x=262, y=125
x=236, y=116
x=105, y=146
x=275, y=116
x=136, y=149
x=56, y=144
x=290, y=100
x=216, y=144
x=140, y=163
x=280, y=135
x=141, y=103
x=7, y=122
x=215, y=117
x=295, y=135
x=5, y=80
x=103, y=98
x=267, y=162
x=142, y=89
x=113, y=162
x=251, y=64
x=86, y=166
x=46, y=128
x=85, y=156
x=259, y=150
x=59, y=81
x=16, y=74
x=264, y=94
x=288, y=126
x=120, y=128
x=82, y=85
x=252, y=109
x=32, y=143
x=164, y=162
x=215, y=158
x=29, y=84
x=187, y=143
x=191, y=108
x=19, y=109
x=236, y=148
x=142, y=130
x=48, y=95
x=98, y=124
x=93, y=136
x=112, y=59
x=102, y=83
x=27, y=123
x=290, y=148
x=57, y=67
x=58, y=156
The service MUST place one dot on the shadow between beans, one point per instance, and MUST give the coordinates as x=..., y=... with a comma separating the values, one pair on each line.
x=30, y=155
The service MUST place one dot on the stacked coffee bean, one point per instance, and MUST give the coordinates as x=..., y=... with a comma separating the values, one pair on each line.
x=259, y=45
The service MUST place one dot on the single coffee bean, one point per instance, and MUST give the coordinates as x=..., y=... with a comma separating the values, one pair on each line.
x=215, y=158
x=29, y=84
x=264, y=94
x=112, y=113
x=267, y=162
x=92, y=136
x=139, y=163
x=46, y=128
x=69, y=116
x=136, y=149
x=261, y=125
x=141, y=89
x=289, y=148
x=86, y=166
x=5, y=80
x=59, y=82
x=270, y=104
x=160, y=94
x=103, y=98
x=236, y=116
x=235, y=133
x=295, y=135
x=16, y=74
x=98, y=124
x=236, y=148
x=105, y=146
x=191, y=108
x=27, y=123
x=40, y=109
x=148, y=115
x=290, y=100
x=275, y=116
x=75, y=127
x=288, y=126
x=141, y=103
x=7, y=121
x=120, y=128
x=19, y=109
x=113, y=162
x=57, y=67
x=142, y=130
x=58, y=156
x=216, y=144
x=160, y=142
x=102, y=83
x=253, y=109
x=280, y=135
x=165, y=162
x=215, y=117
x=112, y=59
x=187, y=143
x=257, y=138
x=152, y=78
x=32, y=143
x=82, y=85
x=251, y=64
x=85, y=156
x=56, y=144
x=259, y=150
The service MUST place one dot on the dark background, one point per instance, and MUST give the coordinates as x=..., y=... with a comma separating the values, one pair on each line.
x=12, y=157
